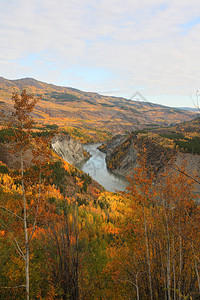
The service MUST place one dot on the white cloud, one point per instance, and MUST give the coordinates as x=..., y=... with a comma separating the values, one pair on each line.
x=139, y=43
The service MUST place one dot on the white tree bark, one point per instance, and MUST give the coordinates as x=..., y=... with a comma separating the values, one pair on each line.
x=25, y=231
x=148, y=257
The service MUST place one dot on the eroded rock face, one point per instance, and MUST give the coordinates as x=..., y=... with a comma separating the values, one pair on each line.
x=121, y=154
x=127, y=161
x=68, y=149
x=64, y=145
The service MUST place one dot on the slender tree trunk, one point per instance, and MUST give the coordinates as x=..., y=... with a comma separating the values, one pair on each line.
x=163, y=271
x=137, y=288
x=148, y=257
x=27, y=271
x=77, y=265
x=174, y=269
x=196, y=268
x=25, y=230
x=76, y=258
x=168, y=271
x=180, y=260
x=168, y=248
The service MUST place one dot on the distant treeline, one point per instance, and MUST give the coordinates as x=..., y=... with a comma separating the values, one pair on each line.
x=188, y=145
x=45, y=131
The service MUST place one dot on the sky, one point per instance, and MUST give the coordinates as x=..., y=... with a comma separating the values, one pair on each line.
x=112, y=47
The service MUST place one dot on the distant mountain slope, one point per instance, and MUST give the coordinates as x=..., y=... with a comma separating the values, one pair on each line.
x=189, y=108
x=64, y=105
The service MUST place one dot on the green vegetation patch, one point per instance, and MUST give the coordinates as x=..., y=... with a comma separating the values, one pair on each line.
x=42, y=133
x=4, y=169
x=51, y=126
x=107, y=105
x=188, y=145
x=90, y=102
x=62, y=97
x=5, y=135
x=173, y=136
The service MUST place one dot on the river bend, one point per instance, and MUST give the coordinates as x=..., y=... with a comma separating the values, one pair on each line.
x=97, y=169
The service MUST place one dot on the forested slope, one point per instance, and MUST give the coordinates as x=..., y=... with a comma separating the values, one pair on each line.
x=179, y=144
x=90, y=112
x=63, y=237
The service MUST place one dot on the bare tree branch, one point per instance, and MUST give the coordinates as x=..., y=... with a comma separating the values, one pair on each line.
x=18, y=249
x=179, y=170
x=12, y=287
x=10, y=211
x=196, y=102
x=126, y=280
x=15, y=243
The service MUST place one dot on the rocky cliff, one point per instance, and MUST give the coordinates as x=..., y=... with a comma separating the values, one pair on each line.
x=69, y=149
x=63, y=145
x=122, y=155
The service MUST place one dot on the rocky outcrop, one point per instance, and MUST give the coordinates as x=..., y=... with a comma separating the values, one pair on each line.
x=109, y=146
x=190, y=161
x=68, y=149
x=123, y=159
x=63, y=145
x=122, y=156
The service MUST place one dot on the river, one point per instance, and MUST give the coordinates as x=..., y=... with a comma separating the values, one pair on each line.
x=96, y=168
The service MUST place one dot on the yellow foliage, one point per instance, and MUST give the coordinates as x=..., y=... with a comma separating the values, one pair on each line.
x=66, y=166
x=53, y=192
x=8, y=185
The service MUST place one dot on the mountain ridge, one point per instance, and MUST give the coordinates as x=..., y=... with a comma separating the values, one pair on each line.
x=76, y=108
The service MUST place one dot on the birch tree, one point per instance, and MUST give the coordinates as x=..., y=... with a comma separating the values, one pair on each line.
x=21, y=123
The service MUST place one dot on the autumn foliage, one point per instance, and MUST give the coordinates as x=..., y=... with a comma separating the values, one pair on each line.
x=86, y=243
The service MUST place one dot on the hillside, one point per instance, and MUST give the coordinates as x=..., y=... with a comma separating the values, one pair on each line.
x=180, y=143
x=82, y=242
x=90, y=112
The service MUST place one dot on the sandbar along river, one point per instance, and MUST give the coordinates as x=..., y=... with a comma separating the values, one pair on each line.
x=96, y=168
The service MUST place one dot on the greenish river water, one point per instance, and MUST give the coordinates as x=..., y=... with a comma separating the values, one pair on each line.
x=96, y=168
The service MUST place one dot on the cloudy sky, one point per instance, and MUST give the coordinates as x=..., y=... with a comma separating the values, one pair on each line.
x=113, y=47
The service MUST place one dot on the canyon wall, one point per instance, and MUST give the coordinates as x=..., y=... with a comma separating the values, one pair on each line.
x=68, y=149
